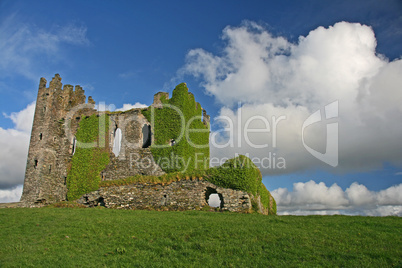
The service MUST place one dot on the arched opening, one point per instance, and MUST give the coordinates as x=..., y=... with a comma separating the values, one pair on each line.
x=213, y=198
x=146, y=136
x=117, y=142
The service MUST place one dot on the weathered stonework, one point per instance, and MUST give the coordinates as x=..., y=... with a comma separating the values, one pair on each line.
x=133, y=158
x=157, y=99
x=178, y=195
x=56, y=121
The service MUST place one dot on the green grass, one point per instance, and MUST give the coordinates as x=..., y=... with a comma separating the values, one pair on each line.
x=75, y=237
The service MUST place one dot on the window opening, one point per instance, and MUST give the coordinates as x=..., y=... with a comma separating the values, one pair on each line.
x=74, y=145
x=117, y=142
x=146, y=136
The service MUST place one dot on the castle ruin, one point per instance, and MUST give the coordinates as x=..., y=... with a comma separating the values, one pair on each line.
x=128, y=141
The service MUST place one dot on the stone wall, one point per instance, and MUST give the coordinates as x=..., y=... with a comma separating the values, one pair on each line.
x=178, y=195
x=132, y=158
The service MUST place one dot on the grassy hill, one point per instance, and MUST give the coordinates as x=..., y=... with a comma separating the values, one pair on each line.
x=72, y=237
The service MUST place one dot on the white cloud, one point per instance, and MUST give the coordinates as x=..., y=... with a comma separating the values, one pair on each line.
x=72, y=34
x=214, y=200
x=12, y=195
x=13, y=156
x=317, y=198
x=271, y=76
x=23, y=46
x=23, y=119
x=128, y=106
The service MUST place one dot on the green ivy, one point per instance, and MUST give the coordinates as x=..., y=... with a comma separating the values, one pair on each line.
x=264, y=194
x=87, y=163
x=272, y=208
x=238, y=173
x=167, y=125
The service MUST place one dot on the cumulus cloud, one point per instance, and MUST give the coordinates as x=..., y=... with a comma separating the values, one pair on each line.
x=23, y=45
x=317, y=198
x=12, y=195
x=259, y=76
x=23, y=119
x=13, y=156
x=128, y=106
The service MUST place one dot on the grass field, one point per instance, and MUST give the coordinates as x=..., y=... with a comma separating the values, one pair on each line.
x=75, y=237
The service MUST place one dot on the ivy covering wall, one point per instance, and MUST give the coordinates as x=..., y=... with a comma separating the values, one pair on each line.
x=191, y=150
x=240, y=173
x=87, y=163
x=179, y=120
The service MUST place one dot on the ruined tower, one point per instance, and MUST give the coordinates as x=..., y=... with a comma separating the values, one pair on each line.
x=50, y=148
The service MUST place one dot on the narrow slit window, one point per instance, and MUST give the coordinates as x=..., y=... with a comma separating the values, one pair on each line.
x=35, y=163
x=74, y=145
x=40, y=136
x=146, y=136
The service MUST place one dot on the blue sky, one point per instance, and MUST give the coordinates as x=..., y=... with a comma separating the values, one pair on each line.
x=123, y=52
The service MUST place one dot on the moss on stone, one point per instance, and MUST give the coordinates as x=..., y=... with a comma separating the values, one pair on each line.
x=238, y=173
x=181, y=140
x=88, y=160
